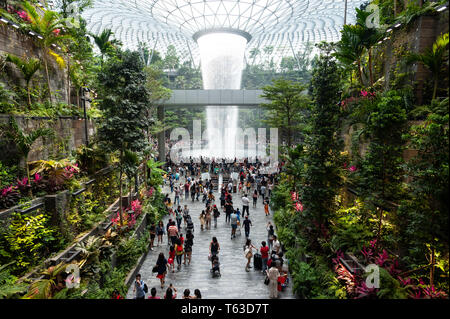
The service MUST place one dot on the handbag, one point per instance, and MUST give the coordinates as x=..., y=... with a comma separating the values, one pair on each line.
x=155, y=269
x=266, y=280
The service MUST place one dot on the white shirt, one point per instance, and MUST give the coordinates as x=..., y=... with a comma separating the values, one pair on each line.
x=276, y=246
x=245, y=201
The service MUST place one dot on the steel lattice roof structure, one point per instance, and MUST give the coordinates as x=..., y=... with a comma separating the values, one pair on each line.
x=285, y=25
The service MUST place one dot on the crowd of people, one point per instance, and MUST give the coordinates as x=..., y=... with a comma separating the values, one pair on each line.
x=187, y=185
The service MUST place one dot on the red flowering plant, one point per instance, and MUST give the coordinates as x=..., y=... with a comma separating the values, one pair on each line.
x=9, y=196
x=23, y=15
x=298, y=206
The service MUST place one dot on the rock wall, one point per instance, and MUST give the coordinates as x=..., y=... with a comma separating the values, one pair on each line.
x=16, y=42
x=69, y=134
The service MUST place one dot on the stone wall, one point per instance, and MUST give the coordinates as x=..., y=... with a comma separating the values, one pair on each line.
x=416, y=37
x=17, y=42
x=69, y=134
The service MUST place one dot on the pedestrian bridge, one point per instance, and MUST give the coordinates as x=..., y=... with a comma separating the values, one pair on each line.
x=193, y=98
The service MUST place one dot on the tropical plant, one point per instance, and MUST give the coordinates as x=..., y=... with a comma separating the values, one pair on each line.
x=9, y=288
x=24, y=141
x=28, y=67
x=46, y=287
x=104, y=43
x=48, y=26
x=434, y=58
x=56, y=171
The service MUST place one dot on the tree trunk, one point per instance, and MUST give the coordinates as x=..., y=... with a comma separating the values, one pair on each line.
x=435, y=86
x=120, y=190
x=28, y=94
x=48, y=77
x=370, y=67
x=360, y=72
x=432, y=267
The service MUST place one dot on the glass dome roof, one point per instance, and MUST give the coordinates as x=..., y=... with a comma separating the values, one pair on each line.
x=285, y=25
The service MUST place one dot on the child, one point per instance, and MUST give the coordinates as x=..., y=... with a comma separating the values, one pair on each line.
x=202, y=219
x=266, y=206
x=171, y=259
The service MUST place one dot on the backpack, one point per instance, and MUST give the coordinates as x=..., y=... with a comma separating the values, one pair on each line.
x=145, y=288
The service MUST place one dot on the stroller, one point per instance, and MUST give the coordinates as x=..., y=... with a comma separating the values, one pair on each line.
x=215, y=266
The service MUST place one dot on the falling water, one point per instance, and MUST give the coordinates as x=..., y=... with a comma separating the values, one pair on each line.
x=222, y=59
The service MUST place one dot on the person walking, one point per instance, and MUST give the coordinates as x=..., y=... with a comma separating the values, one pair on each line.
x=247, y=223
x=139, y=287
x=172, y=232
x=234, y=223
x=248, y=253
x=202, y=218
x=188, y=243
x=177, y=196
x=208, y=217
x=185, y=214
x=152, y=230
x=179, y=217
x=276, y=244
x=270, y=234
x=255, y=198
x=214, y=247
x=179, y=251
x=264, y=255
x=189, y=224
x=228, y=210
x=171, y=259
x=273, y=273
x=160, y=232
x=161, y=268
x=216, y=215
x=266, y=206
x=263, y=191
x=245, y=205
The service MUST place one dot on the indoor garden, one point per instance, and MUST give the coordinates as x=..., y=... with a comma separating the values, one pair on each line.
x=99, y=98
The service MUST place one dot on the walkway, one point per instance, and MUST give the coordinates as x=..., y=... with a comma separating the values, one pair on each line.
x=235, y=282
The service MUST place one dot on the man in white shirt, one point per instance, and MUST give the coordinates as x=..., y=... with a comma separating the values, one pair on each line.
x=245, y=204
x=276, y=244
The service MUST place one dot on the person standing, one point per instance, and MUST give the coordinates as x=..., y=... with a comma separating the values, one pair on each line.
x=248, y=253
x=264, y=255
x=273, y=273
x=190, y=224
x=202, y=219
x=139, y=287
x=233, y=222
x=228, y=210
x=247, y=223
x=245, y=205
x=276, y=244
x=263, y=191
x=255, y=198
x=214, y=247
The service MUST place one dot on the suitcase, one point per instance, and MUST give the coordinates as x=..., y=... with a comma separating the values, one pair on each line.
x=257, y=261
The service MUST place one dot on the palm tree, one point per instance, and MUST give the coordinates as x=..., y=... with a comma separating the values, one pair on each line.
x=434, y=59
x=350, y=48
x=24, y=141
x=28, y=67
x=48, y=27
x=104, y=43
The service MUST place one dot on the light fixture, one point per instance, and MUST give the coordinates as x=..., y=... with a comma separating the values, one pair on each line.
x=32, y=33
x=15, y=25
x=3, y=20
x=40, y=37
x=389, y=30
x=441, y=8
x=385, y=39
x=397, y=25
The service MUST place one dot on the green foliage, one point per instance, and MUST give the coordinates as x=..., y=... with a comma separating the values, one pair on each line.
x=287, y=107
x=28, y=238
x=9, y=289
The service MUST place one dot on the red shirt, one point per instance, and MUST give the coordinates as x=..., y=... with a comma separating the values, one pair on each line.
x=264, y=252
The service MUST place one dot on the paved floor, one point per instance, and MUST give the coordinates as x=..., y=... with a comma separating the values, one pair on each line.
x=235, y=282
